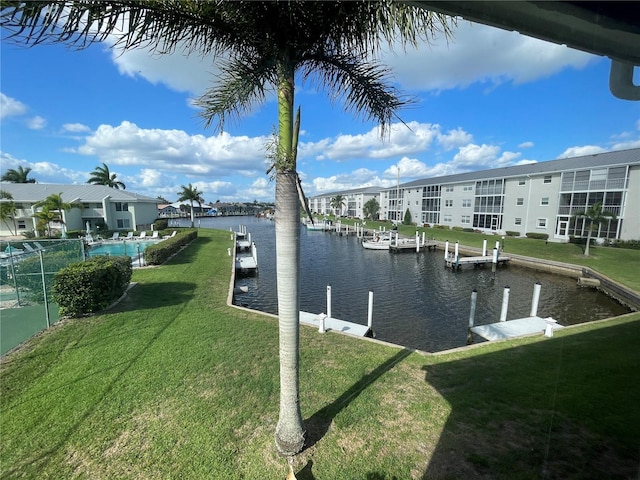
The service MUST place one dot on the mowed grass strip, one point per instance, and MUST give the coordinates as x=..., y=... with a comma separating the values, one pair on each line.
x=173, y=383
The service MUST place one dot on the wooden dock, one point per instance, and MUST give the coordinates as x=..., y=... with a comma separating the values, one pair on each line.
x=515, y=328
x=409, y=245
x=451, y=261
x=335, y=324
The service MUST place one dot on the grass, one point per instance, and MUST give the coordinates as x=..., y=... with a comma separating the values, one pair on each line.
x=173, y=383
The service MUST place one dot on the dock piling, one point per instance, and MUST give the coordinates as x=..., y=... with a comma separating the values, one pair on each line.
x=446, y=251
x=370, y=311
x=535, y=299
x=472, y=315
x=329, y=301
x=484, y=247
x=505, y=304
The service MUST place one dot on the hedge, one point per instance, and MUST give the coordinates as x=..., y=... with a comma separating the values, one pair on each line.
x=91, y=286
x=160, y=252
x=512, y=233
x=538, y=236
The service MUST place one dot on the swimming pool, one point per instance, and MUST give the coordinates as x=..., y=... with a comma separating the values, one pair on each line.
x=129, y=248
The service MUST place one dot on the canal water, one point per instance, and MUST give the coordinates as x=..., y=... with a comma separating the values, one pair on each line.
x=417, y=302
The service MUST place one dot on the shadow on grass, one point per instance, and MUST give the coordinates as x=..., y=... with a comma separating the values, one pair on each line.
x=154, y=295
x=188, y=253
x=318, y=424
x=560, y=408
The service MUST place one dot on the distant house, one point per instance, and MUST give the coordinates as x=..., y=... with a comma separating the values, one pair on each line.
x=354, y=201
x=183, y=209
x=103, y=206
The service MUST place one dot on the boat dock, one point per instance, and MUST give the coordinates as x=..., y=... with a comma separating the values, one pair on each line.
x=454, y=261
x=246, y=256
x=335, y=324
x=516, y=328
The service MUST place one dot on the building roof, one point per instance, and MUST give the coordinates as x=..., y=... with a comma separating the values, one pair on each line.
x=88, y=193
x=608, y=159
x=353, y=191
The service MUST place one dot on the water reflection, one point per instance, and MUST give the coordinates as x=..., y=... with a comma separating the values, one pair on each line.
x=417, y=302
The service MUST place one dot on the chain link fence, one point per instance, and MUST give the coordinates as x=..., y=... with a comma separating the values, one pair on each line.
x=27, y=269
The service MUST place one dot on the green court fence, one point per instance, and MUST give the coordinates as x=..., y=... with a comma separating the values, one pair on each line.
x=27, y=269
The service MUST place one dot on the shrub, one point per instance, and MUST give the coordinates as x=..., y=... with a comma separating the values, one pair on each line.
x=161, y=224
x=87, y=287
x=457, y=229
x=161, y=252
x=538, y=236
x=630, y=244
x=468, y=230
x=511, y=233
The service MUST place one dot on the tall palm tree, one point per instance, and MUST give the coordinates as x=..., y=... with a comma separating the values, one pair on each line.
x=19, y=175
x=102, y=176
x=259, y=46
x=338, y=202
x=192, y=194
x=52, y=209
x=596, y=215
x=8, y=211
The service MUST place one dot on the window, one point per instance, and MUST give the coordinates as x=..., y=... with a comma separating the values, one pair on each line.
x=123, y=223
x=448, y=203
x=466, y=219
x=522, y=181
x=448, y=188
x=448, y=219
x=22, y=225
x=466, y=202
x=541, y=223
x=520, y=201
x=518, y=221
x=468, y=188
x=544, y=201
x=122, y=207
x=547, y=179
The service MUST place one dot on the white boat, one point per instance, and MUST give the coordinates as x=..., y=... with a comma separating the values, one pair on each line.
x=378, y=242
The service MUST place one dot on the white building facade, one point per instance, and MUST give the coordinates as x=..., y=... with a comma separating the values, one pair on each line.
x=102, y=206
x=543, y=197
x=353, y=206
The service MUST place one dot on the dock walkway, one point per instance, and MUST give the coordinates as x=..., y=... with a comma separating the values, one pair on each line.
x=451, y=261
x=336, y=324
x=515, y=328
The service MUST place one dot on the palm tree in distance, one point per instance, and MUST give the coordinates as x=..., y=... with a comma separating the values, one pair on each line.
x=338, y=202
x=259, y=47
x=102, y=176
x=191, y=194
x=52, y=209
x=596, y=216
x=19, y=175
x=8, y=211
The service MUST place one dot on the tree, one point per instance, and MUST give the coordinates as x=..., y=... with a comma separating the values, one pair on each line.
x=52, y=209
x=19, y=175
x=259, y=46
x=407, y=217
x=596, y=216
x=338, y=202
x=371, y=209
x=8, y=211
x=102, y=176
x=191, y=194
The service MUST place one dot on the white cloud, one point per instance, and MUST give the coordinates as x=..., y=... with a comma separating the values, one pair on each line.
x=581, y=151
x=175, y=150
x=75, y=128
x=524, y=145
x=37, y=123
x=479, y=53
x=10, y=107
x=402, y=140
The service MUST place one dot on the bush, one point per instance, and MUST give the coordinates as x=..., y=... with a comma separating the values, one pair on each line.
x=511, y=233
x=87, y=287
x=468, y=230
x=457, y=229
x=161, y=252
x=630, y=244
x=161, y=224
x=538, y=236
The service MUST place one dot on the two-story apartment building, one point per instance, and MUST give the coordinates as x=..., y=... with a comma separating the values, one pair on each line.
x=101, y=205
x=541, y=197
x=354, y=201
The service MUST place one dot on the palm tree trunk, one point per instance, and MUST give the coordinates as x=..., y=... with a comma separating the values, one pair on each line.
x=290, y=433
x=192, y=222
x=586, y=247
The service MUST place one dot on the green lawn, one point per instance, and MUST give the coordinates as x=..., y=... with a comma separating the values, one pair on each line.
x=173, y=383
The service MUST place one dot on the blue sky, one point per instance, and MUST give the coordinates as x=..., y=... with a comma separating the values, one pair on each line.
x=489, y=98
